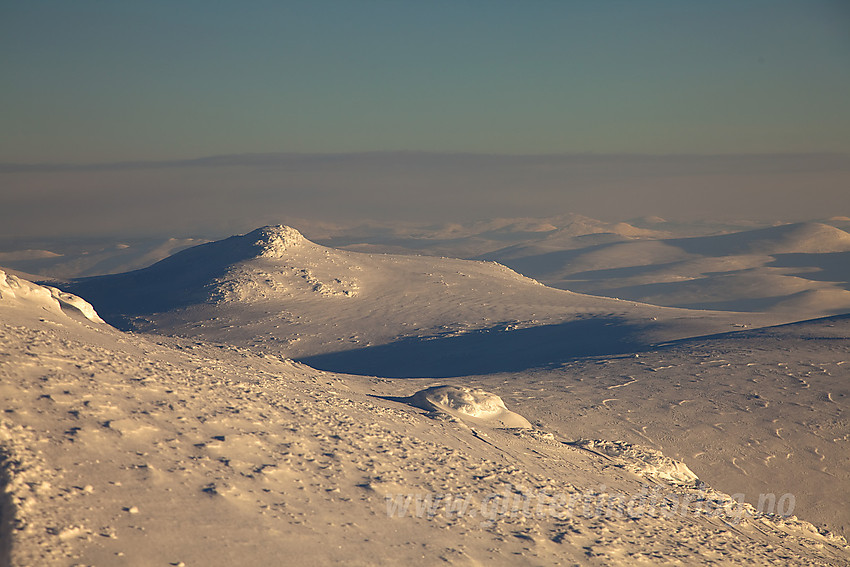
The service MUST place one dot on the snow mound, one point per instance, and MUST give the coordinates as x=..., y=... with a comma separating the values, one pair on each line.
x=642, y=461
x=479, y=405
x=14, y=290
x=274, y=241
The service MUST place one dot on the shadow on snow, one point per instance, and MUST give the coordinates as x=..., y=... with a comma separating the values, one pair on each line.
x=486, y=351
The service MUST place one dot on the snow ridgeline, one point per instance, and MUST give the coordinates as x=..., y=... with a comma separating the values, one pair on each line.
x=21, y=292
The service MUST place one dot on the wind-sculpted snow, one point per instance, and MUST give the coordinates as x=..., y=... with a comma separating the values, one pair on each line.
x=15, y=291
x=761, y=411
x=227, y=453
x=643, y=461
x=479, y=405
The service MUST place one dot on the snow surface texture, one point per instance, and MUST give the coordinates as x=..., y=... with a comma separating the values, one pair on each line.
x=226, y=453
x=643, y=461
x=118, y=450
x=755, y=412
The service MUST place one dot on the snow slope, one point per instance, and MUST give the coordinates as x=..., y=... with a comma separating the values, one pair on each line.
x=417, y=317
x=117, y=449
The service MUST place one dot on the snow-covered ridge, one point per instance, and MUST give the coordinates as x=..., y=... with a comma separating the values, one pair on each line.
x=22, y=292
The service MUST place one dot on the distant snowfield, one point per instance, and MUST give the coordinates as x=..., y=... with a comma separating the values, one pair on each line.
x=450, y=411
x=799, y=269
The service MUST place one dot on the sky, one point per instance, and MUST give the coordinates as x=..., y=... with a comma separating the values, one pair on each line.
x=107, y=104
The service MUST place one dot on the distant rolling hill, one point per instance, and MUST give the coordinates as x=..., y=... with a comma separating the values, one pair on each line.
x=71, y=258
x=797, y=269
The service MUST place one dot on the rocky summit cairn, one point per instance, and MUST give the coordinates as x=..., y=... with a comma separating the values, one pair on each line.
x=274, y=240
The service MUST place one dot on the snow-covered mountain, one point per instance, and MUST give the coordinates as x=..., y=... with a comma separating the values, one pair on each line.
x=389, y=315
x=799, y=270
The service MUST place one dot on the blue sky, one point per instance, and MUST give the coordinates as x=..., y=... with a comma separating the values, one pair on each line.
x=412, y=91
x=95, y=81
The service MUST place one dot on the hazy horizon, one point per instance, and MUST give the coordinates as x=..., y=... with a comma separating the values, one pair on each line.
x=185, y=119
x=223, y=195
